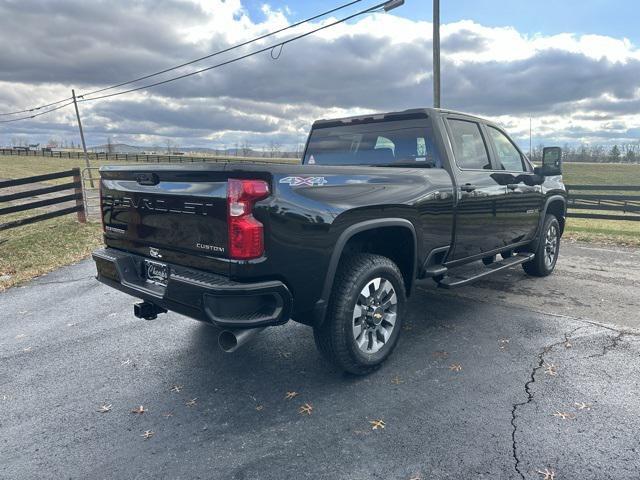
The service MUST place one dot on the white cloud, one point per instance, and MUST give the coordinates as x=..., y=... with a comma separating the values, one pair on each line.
x=577, y=87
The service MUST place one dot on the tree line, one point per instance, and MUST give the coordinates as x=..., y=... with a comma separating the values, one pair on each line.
x=623, y=153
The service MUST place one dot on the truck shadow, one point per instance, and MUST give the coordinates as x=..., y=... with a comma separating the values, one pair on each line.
x=284, y=359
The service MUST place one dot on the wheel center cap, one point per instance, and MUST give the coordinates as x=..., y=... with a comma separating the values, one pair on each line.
x=377, y=316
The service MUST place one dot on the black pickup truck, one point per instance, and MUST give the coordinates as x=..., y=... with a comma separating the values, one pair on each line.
x=338, y=242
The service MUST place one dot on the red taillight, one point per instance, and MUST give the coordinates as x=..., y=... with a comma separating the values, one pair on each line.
x=246, y=238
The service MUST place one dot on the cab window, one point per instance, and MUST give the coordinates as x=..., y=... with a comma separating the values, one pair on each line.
x=509, y=158
x=468, y=145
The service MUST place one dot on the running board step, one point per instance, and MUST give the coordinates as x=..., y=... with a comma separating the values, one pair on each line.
x=453, y=281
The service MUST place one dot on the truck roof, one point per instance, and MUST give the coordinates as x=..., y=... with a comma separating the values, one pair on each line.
x=400, y=115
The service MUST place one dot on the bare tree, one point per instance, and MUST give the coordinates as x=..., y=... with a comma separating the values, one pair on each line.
x=246, y=149
x=109, y=145
x=171, y=146
x=274, y=149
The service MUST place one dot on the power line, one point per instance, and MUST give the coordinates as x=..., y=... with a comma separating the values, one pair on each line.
x=279, y=45
x=226, y=50
x=211, y=55
x=33, y=109
x=386, y=6
x=37, y=114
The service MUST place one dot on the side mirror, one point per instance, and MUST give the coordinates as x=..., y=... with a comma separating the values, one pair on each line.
x=551, y=162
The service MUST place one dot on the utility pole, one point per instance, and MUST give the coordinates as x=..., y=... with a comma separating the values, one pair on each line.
x=84, y=145
x=530, y=150
x=436, y=53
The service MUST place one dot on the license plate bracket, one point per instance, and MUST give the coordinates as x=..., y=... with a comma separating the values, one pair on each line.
x=156, y=272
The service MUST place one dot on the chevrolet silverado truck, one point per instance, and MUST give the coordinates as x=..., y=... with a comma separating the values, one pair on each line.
x=338, y=242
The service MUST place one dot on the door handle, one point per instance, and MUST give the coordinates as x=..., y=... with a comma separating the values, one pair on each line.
x=467, y=187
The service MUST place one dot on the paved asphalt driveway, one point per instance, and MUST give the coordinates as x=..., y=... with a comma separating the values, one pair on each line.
x=497, y=381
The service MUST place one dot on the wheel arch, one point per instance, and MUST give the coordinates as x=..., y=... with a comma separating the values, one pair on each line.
x=557, y=205
x=354, y=232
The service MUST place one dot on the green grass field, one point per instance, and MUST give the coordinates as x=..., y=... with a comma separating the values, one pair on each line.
x=609, y=232
x=29, y=251
x=601, y=173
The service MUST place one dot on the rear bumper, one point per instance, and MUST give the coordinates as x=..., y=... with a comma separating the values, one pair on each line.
x=204, y=296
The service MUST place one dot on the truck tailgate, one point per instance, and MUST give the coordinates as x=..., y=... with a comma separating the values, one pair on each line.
x=178, y=216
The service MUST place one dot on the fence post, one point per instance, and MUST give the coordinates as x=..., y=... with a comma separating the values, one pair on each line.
x=77, y=178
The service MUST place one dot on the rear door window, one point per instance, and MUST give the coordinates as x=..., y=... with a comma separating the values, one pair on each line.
x=469, y=147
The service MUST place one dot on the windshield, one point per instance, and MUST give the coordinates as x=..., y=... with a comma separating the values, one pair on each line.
x=391, y=143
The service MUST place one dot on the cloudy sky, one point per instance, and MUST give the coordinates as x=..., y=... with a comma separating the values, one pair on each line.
x=573, y=66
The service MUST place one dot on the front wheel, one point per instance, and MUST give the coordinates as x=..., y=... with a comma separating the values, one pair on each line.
x=547, y=251
x=365, y=314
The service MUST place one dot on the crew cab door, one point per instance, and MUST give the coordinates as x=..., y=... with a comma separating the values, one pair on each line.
x=480, y=195
x=523, y=203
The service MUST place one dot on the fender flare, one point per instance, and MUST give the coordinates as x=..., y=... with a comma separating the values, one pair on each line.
x=320, y=307
x=543, y=214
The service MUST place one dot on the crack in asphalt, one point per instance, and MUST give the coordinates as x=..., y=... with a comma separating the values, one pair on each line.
x=527, y=389
x=615, y=341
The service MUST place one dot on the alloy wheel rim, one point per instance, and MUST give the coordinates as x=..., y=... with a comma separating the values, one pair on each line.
x=550, y=246
x=374, y=315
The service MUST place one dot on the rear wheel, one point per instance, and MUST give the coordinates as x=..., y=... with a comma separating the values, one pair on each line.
x=547, y=251
x=365, y=314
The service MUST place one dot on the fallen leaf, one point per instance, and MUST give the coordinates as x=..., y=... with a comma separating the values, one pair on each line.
x=455, y=367
x=567, y=344
x=259, y=408
x=147, y=434
x=176, y=388
x=125, y=362
x=377, y=424
x=167, y=414
x=192, y=402
x=139, y=410
x=407, y=327
x=26, y=349
x=71, y=324
x=550, y=369
x=583, y=406
x=440, y=354
x=564, y=415
x=291, y=395
x=306, y=408
x=397, y=380
x=504, y=343
x=549, y=474
x=105, y=408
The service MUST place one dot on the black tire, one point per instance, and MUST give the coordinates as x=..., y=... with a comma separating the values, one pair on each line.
x=336, y=336
x=547, y=250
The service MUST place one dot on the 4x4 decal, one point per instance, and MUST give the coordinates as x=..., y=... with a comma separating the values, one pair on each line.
x=310, y=181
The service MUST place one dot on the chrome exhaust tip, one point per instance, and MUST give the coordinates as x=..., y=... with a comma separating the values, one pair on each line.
x=231, y=340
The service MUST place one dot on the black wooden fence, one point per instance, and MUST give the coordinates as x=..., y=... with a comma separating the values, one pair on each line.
x=141, y=158
x=625, y=205
x=75, y=185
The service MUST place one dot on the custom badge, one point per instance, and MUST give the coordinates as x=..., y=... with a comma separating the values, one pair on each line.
x=307, y=181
